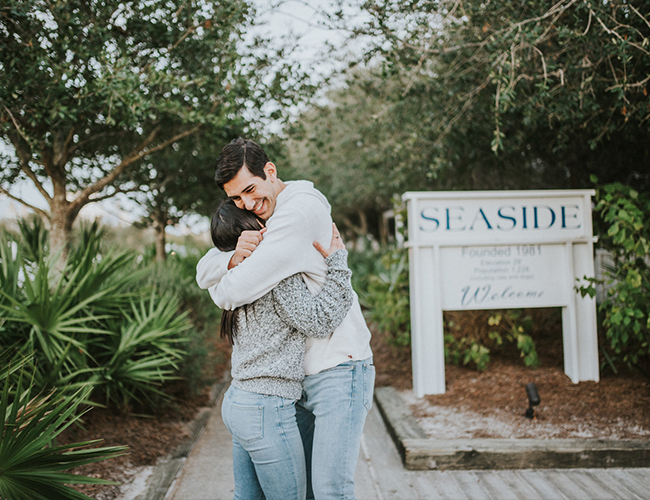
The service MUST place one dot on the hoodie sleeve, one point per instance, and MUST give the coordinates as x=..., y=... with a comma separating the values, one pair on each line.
x=212, y=267
x=287, y=249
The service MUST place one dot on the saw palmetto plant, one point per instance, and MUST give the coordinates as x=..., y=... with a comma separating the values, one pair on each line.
x=32, y=466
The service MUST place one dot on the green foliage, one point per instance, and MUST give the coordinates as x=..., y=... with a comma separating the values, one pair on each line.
x=141, y=352
x=558, y=90
x=386, y=294
x=469, y=338
x=96, y=322
x=32, y=467
x=34, y=238
x=625, y=310
x=93, y=94
x=178, y=276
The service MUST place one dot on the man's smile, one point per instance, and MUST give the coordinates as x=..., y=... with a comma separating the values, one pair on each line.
x=259, y=207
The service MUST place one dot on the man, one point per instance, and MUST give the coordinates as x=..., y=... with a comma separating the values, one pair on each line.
x=339, y=372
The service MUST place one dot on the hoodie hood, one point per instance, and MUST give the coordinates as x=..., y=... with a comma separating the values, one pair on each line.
x=294, y=188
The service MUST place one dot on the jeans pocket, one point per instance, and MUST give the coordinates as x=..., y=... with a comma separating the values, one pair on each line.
x=247, y=422
x=368, y=385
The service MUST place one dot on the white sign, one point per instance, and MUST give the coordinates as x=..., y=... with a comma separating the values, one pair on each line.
x=498, y=250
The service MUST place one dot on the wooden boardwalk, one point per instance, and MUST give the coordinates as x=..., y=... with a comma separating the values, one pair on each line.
x=392, y=482
x=207, y=475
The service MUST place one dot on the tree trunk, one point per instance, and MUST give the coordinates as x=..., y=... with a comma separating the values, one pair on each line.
x=363, y=221
x=60, y=230
x=159, y=226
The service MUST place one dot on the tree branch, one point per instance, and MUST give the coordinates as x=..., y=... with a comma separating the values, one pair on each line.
x=23, y=158
x=39, y=211
x=639, y=14
x=18, y=128
x=637, y=84
x=94, y=137
x=117, y=191
x=187, y=33
x=136, y=155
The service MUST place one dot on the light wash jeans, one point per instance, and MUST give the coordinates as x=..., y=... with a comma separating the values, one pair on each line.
x=267, y=452
x=331, y=414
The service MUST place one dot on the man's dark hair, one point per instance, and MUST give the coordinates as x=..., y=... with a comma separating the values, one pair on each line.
x=240, y=153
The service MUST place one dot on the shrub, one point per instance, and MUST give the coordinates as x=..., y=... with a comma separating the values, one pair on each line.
x=625, y=311
x=470, y=336
x=386, y=293
x=32, y=467
x=177, y=275
x=96, y=322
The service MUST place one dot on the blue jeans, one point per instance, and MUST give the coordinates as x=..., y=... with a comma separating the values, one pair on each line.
x=267, y=452
x=331, y=414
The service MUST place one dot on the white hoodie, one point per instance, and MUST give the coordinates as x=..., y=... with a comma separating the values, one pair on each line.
x=301, y=216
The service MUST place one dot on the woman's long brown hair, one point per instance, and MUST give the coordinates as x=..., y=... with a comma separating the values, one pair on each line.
x=226, y=225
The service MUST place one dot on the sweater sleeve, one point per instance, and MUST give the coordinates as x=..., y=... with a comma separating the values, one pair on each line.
x=282, y=253
x=316, y=316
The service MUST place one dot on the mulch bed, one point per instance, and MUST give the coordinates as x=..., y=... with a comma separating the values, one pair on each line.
x=617, y=406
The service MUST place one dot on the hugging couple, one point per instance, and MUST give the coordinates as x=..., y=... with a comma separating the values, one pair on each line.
x=301, y=362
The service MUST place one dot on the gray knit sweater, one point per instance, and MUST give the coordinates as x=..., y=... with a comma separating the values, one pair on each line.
x=269, y=349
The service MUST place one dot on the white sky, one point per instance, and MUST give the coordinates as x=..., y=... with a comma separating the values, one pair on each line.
x=276, y=18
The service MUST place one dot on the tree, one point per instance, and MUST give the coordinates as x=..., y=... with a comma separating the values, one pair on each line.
x=557, y=91
x=179, y=182
x=90, y=90
x=355, y=154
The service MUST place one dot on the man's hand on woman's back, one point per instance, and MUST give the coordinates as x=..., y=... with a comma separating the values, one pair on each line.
x=336, y=243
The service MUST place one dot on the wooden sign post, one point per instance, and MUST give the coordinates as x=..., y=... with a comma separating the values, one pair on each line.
x=498, y=250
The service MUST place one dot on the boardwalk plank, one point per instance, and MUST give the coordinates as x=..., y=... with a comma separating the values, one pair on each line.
x=436, y=485
x=470, y=483
x=564, y=482
x=545, y=488
x=608, y=481
x=364, y=477
x=593, y=489
x=635, y=480
x=385, y=460
x=502, y=485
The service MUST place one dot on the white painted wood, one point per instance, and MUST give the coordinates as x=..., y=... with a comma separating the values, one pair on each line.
x=586, y=322
x=569, y=322
x=427, y=323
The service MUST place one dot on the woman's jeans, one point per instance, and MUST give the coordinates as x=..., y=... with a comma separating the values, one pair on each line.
x=331, y=414
x=267, y=452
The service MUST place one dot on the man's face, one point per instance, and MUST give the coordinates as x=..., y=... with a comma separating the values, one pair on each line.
x=253, y=193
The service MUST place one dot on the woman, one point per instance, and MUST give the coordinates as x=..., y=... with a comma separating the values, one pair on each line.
x=268, y=338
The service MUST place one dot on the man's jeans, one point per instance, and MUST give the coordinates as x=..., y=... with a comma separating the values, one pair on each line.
x=267, y=452
x=331, y=414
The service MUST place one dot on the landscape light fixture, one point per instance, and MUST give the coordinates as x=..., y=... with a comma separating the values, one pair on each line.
x=533, y=400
